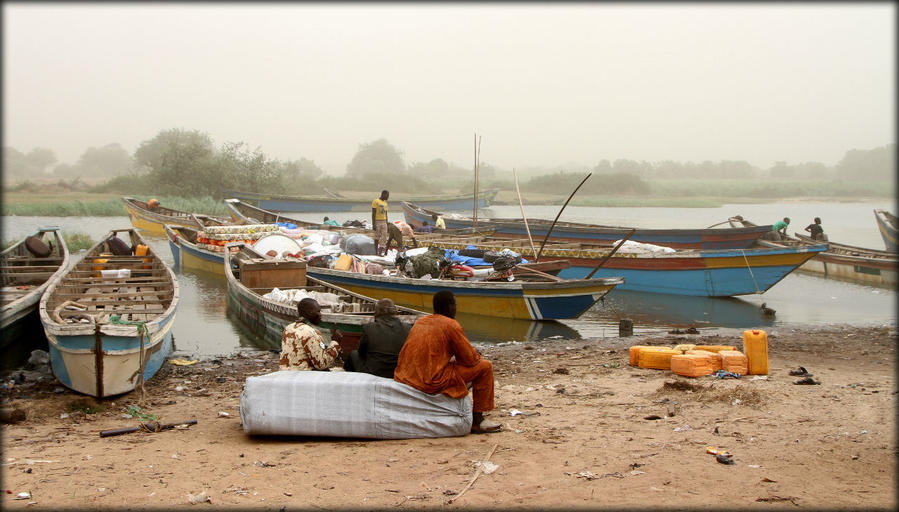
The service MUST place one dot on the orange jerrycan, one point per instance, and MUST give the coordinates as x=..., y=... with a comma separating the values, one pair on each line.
x=755, y=346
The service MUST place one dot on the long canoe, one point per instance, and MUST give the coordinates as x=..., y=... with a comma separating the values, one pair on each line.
x=25, y=277
x=841, y=261
x=888, y=226
x=720, y=238
x=267, y=318
x=188, y=254
x=544, y=300
x=108, y=319
x=331, y=204
x=242, y=212
x=153, y=220
x=708, y=273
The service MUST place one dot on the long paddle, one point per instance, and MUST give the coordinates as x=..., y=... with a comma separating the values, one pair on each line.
x=614, y=249
x=550, y=230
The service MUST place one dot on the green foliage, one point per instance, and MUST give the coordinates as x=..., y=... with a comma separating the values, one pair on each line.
x=378, y=157
x=130, y=185
x=877, y=164
x=85, y=407
x=77, y=241
x=563, y=183
x=401, y=182
x=34, y=163
x=77, y=208
x=135, y=412
x=152, y=153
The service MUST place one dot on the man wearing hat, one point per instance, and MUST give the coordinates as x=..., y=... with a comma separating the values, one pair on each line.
x=380, y=344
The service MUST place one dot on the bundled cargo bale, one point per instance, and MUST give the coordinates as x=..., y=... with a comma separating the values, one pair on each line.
x=715, y=357
x=714, y=348
x=734, y=361
x=427, y=263
x=657, y=358
x=348, y=404
x=692, y=365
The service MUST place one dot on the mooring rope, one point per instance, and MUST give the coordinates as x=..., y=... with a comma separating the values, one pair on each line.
x=750, y=272
x=141, y=331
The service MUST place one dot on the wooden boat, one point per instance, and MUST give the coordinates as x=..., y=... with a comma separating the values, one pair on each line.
x=711, y=273
x=153, y=220
x=25, y=277
x=244, y=213
x=720, y=238
x=549, y=299
x=108, y=319
x=841, y=261
x=888, y=226
x=188, y=254
x=334, y=204
x=251, y=275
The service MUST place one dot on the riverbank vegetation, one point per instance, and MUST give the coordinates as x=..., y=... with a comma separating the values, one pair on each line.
x=187, y=171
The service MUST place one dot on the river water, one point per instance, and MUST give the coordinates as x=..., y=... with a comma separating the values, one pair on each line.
x=203, y=326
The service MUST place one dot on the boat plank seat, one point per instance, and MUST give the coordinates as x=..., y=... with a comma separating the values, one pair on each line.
x=100, y=294
x=118, y=281
x=31, y=275
x=18, y=268
x=28, y=259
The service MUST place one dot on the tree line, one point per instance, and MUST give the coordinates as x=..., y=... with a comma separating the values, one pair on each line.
x=187, y=163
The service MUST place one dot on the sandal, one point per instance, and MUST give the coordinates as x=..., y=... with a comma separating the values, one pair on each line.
x=486, y=427
x=800, y=372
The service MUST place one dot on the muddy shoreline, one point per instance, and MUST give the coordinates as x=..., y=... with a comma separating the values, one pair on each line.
x=581, y=439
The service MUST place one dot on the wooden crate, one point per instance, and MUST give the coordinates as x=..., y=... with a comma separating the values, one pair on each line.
x=262, y=273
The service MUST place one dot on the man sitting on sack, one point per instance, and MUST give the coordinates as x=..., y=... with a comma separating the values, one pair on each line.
x=302, y=347
x=380, y=344
x=426, y=362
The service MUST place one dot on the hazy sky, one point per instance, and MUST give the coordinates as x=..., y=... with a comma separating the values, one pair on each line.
x=544, y=84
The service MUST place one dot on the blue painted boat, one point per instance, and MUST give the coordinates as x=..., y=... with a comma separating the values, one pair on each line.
x=708, y=273
x=888, y=226
x=280, y=203
x=108, y=319
x=188, y=254
x=708, y=238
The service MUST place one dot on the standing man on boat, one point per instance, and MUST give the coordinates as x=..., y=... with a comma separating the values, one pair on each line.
x=815, y=230
x=302, y=347
x=426, y=362
x=379, y=221
x=380, y=344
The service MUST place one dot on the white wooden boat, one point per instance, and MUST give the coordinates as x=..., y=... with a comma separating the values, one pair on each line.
x=108, y=319
x=25, y=277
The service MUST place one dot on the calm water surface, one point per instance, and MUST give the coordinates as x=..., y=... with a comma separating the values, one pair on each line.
x=203, y=326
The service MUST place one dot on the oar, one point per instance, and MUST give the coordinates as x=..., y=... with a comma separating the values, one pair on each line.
x=521, y=204
x=550, y=230
x=614, y=249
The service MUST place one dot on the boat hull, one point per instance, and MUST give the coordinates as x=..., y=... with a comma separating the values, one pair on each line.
x=709, y=239
x=300, y=204
x=531, y=301
x=75, y=363
x=887, y=230
x=859, y=271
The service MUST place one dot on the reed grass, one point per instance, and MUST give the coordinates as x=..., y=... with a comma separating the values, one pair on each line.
x=77, y=241
x=57, y=206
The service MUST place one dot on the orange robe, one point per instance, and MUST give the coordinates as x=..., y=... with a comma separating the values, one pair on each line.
x=425, y=362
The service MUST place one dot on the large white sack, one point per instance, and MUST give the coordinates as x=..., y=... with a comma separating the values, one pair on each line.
x=348, y=404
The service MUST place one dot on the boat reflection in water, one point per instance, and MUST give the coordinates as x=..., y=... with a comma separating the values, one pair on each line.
x=649, y=309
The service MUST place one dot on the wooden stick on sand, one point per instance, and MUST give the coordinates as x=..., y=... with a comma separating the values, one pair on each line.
x=476, y=475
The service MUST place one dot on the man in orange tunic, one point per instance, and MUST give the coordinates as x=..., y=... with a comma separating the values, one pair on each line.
x=425, y=362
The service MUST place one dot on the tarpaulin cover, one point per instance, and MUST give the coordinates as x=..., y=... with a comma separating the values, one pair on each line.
x=348, y=404
x=455, y=257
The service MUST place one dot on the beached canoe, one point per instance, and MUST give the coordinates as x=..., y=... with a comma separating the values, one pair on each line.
x=888, y=226
x=841, y=261
x=553, y=299
x=332, y=204
x=709, y=238
x=188, y=254
x=108, y=319
x=712, y=273
x=25, y=276
x=242, y=212
x=153, y=220
x=251, y=276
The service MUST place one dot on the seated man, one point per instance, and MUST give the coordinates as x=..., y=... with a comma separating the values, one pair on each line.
x=381, y=343
x=302, y=347
x=330, y=222
x=425, y=228
x=426, y=364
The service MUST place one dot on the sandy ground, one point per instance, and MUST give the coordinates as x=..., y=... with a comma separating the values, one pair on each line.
x=582, y=442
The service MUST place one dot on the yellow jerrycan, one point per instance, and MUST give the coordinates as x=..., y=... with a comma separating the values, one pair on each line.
x=755, y=346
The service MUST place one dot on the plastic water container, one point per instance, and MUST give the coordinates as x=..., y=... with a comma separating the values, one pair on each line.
x=692, y=365
x=634, y=353
x=755, y=346
x=659, y=359
x=734, y=361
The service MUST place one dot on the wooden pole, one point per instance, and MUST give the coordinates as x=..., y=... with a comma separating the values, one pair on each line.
x=474, y=206
x=613, y=251
x=521, y=204
x=550, y=230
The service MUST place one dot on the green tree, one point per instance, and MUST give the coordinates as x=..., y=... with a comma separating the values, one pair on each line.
x=876, y=164
x=40, y=158
x=109, y=160
x=149, y=155
x=14, y=162
x=252, y=171
x=378, y=157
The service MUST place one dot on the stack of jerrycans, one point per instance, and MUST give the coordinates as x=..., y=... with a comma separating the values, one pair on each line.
x=755, y=346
